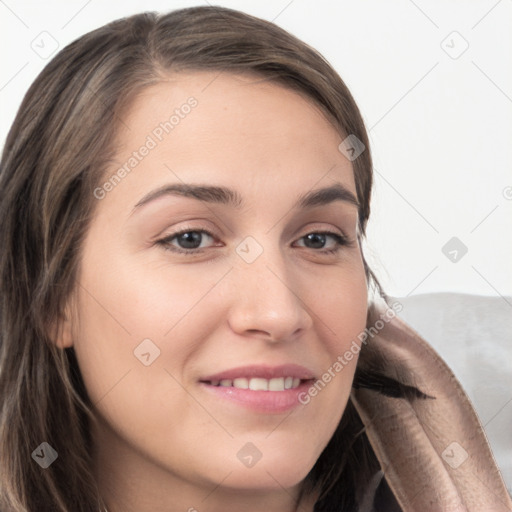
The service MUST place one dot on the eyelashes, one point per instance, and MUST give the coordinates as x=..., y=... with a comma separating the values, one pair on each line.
x=194, y=236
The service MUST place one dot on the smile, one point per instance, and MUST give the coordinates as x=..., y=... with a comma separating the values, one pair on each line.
x=260, y=388
x=259, y=384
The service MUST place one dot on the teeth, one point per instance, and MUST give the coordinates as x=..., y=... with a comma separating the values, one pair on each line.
x=259, y=384
x=241, y=383
x=276, y=384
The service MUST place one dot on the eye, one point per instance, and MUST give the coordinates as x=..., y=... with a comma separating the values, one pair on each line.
x=191, y=241
x=318, y=240
x=186, y=241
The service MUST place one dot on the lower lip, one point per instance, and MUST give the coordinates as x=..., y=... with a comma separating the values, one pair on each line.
x=270, y=402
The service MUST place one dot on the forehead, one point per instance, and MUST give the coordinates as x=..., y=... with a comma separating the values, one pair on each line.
x=228, y=129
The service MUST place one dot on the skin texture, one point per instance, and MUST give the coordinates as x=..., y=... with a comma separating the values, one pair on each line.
x=164, y=443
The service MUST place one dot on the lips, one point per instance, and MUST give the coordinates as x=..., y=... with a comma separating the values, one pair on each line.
x=259, y=389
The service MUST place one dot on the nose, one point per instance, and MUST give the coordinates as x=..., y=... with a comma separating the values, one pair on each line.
x=267, y=303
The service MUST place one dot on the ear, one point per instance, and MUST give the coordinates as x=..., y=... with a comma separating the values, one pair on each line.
x=61, y=332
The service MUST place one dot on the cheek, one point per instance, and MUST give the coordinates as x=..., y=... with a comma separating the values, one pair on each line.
x=344, y=309
x=133, y=339
x=137, y=299
x=129, y=309
x=342, y=320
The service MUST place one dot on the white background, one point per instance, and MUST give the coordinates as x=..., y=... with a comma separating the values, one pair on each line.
x=440, y=127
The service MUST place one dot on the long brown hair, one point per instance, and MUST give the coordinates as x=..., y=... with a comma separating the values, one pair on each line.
x=55, y=155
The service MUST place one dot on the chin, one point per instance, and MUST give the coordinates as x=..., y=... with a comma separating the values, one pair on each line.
x=276, y=469
x=266, y=479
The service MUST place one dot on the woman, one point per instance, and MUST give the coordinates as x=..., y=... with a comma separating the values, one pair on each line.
x=187, y=316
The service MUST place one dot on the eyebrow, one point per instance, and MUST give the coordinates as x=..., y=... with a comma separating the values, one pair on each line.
x=230, y=197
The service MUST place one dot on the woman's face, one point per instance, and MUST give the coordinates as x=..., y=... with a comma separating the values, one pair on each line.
x=252, y=293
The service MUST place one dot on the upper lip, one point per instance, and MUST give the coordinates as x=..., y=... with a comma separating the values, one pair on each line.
x=262, y=372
